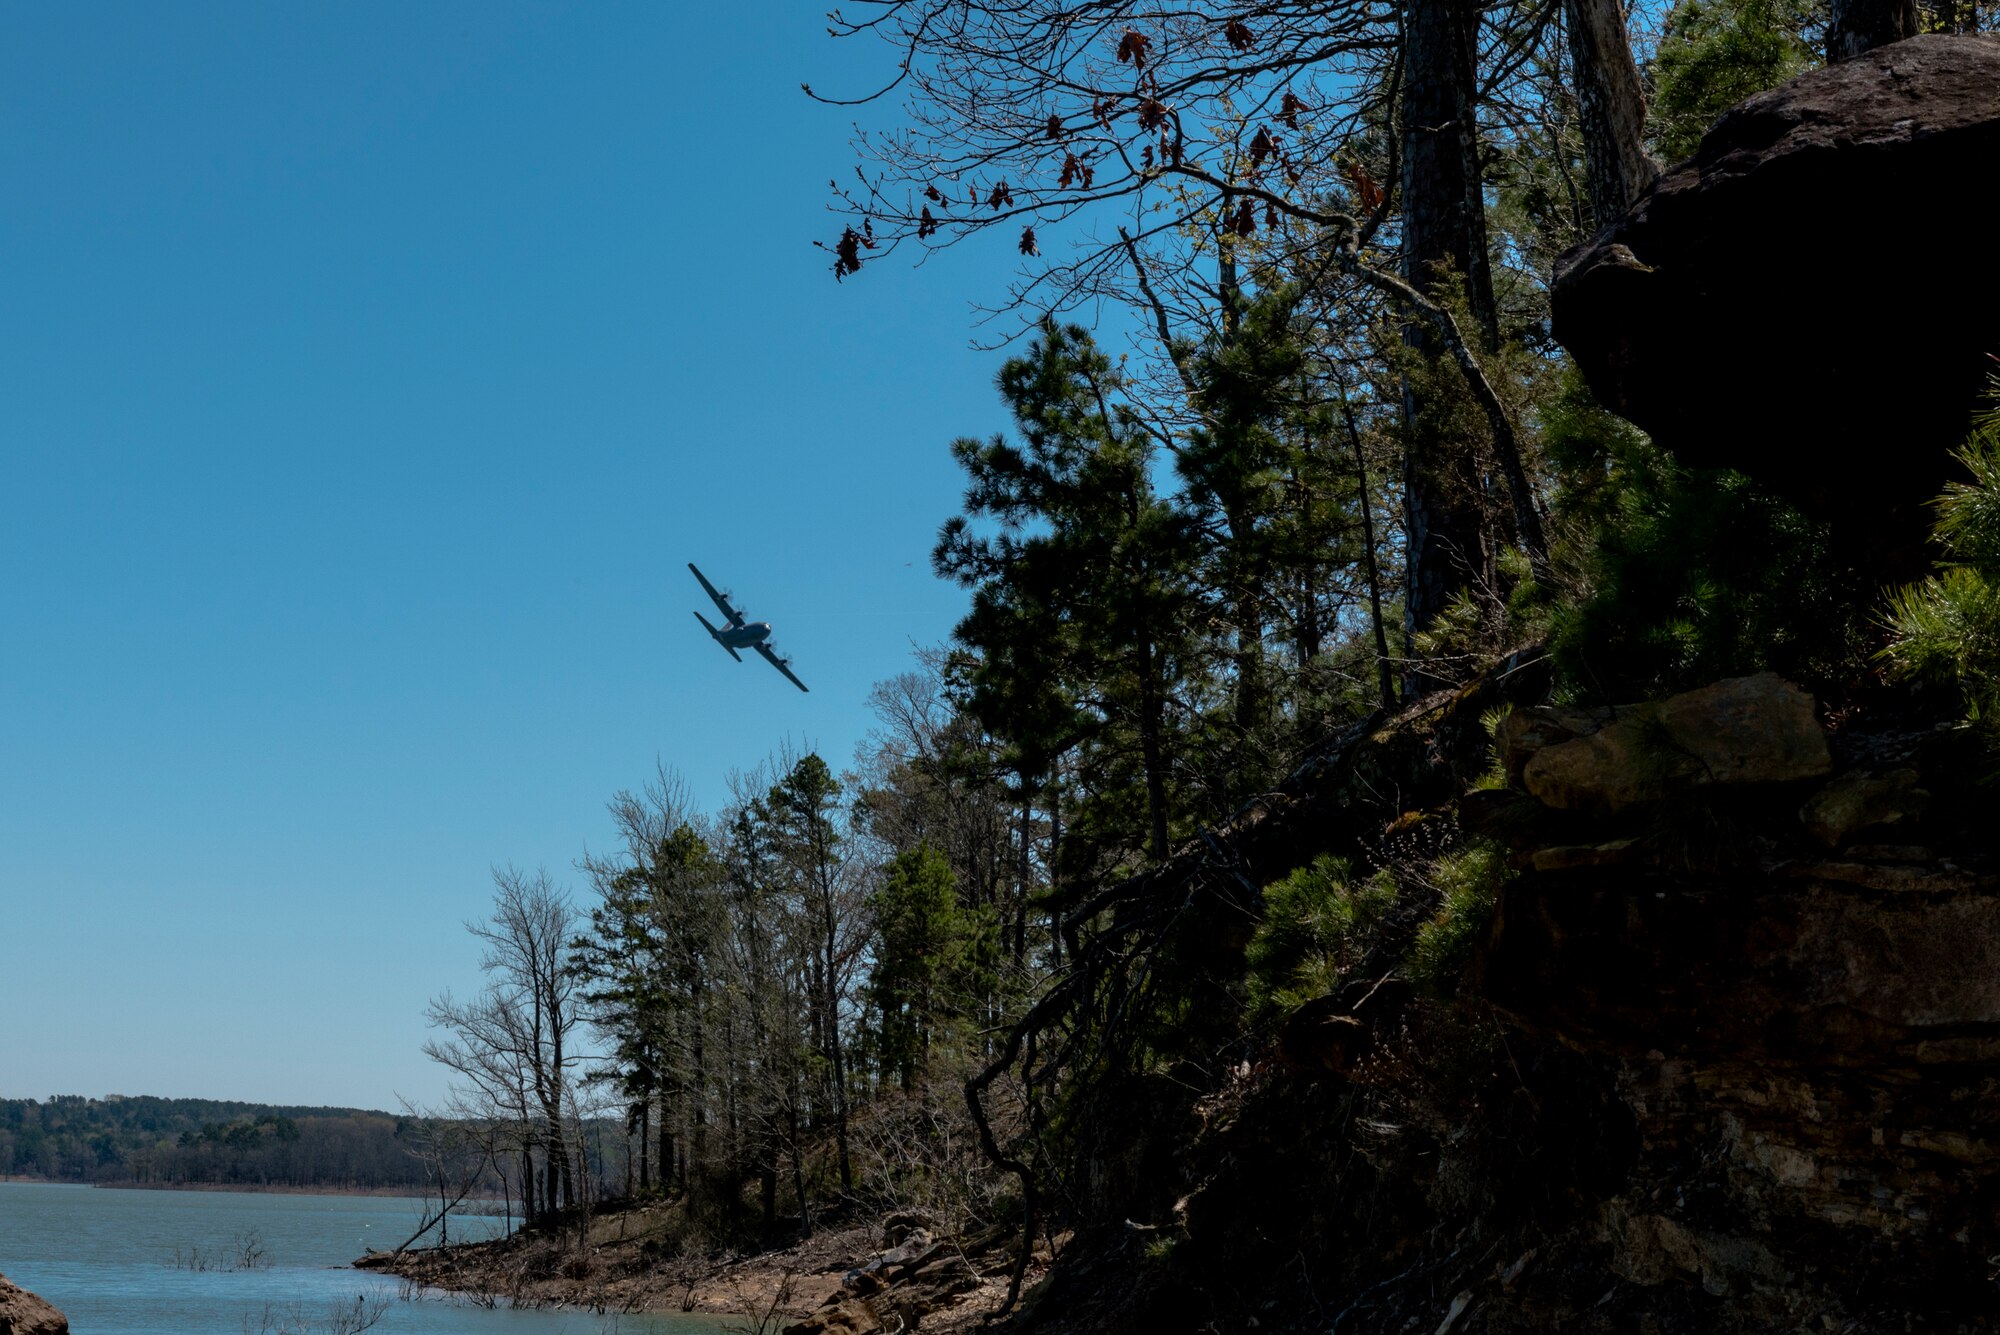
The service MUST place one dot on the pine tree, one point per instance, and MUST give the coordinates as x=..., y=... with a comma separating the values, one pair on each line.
x=933, y=961
x=1079, y=600
x=802, y=807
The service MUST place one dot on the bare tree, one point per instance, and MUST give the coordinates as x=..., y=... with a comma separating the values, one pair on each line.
x=515, y=1046
x=456, y=1147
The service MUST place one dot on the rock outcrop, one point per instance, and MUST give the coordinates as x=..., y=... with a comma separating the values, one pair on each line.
x=1804, y=1016
x=1728, y=1064
x=22, y=1313
x=1746, y=730
x=1806, y=299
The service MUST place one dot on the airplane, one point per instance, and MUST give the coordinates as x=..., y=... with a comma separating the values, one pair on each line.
x=741, y=634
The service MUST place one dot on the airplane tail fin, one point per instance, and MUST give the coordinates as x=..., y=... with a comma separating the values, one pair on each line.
x=718, y=636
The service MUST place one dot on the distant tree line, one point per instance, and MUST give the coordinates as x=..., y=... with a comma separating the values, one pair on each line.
x=182, y=1142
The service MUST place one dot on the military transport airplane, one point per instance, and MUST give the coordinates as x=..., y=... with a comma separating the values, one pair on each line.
x=741, y=634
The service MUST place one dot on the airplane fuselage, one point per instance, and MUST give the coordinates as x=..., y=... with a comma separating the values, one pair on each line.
x=741, y=634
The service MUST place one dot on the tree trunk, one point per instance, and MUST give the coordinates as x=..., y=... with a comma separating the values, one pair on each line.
x=1444, y=230
x=552, y=1178
x=1247, y=654
x=1151, y=754
x=1055, y=862
x=799, y=1174
x=1857, y=26
x=700, y=1055
x=840, y=1111
x=830, y=937
x=1611, y=105
x=732, y=1065
x=1384, y=675
x=1022, y=872
x=645, y=1139
x=1444, y=211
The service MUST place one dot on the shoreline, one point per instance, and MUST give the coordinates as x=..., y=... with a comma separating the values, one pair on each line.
x=245, y=1188
x=847, y=1279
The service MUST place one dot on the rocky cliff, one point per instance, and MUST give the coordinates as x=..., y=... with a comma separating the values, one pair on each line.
x=1793, y=983
x=1724, y=1060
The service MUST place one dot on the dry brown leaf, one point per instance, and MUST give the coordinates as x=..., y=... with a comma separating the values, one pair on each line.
x=1365, y=189
x=1262, y=146
x=847, y=253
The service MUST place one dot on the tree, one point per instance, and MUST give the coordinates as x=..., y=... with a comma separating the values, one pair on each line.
x=1444, y=241
x=1078, y=596
x=801, y=809
x=1611, y=104
x=1217, y=133
x=618, y=960
x=514, y=1047
x=929, y=775
x=1713, y=54
x=1282, y=507
x=766, y=1000
x=932, y=961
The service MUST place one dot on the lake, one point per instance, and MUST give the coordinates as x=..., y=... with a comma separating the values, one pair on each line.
x=107, y=1258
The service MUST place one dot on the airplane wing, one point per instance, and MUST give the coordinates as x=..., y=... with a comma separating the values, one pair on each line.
x=718, y=638
x=735, y=617
x=781, y=665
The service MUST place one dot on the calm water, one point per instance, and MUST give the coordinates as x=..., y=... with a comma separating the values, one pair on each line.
x=106, y=1258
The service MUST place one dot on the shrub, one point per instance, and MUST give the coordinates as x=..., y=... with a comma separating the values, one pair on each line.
x=1946, y=628
x=1468, y=883
x=1315, y=921
x=1682, y=576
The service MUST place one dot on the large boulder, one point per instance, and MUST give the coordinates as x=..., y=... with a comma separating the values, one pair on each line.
x=1808, y=300
x=22, y=1313
x=1758, y=729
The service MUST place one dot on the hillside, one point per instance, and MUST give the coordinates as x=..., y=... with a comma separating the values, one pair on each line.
x=149, y=1141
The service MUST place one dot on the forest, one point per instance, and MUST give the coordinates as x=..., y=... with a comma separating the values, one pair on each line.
x=1180, y=916
x=149, y=1141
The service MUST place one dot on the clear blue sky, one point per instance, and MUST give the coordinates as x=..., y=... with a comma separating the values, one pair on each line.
x=368, y=373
